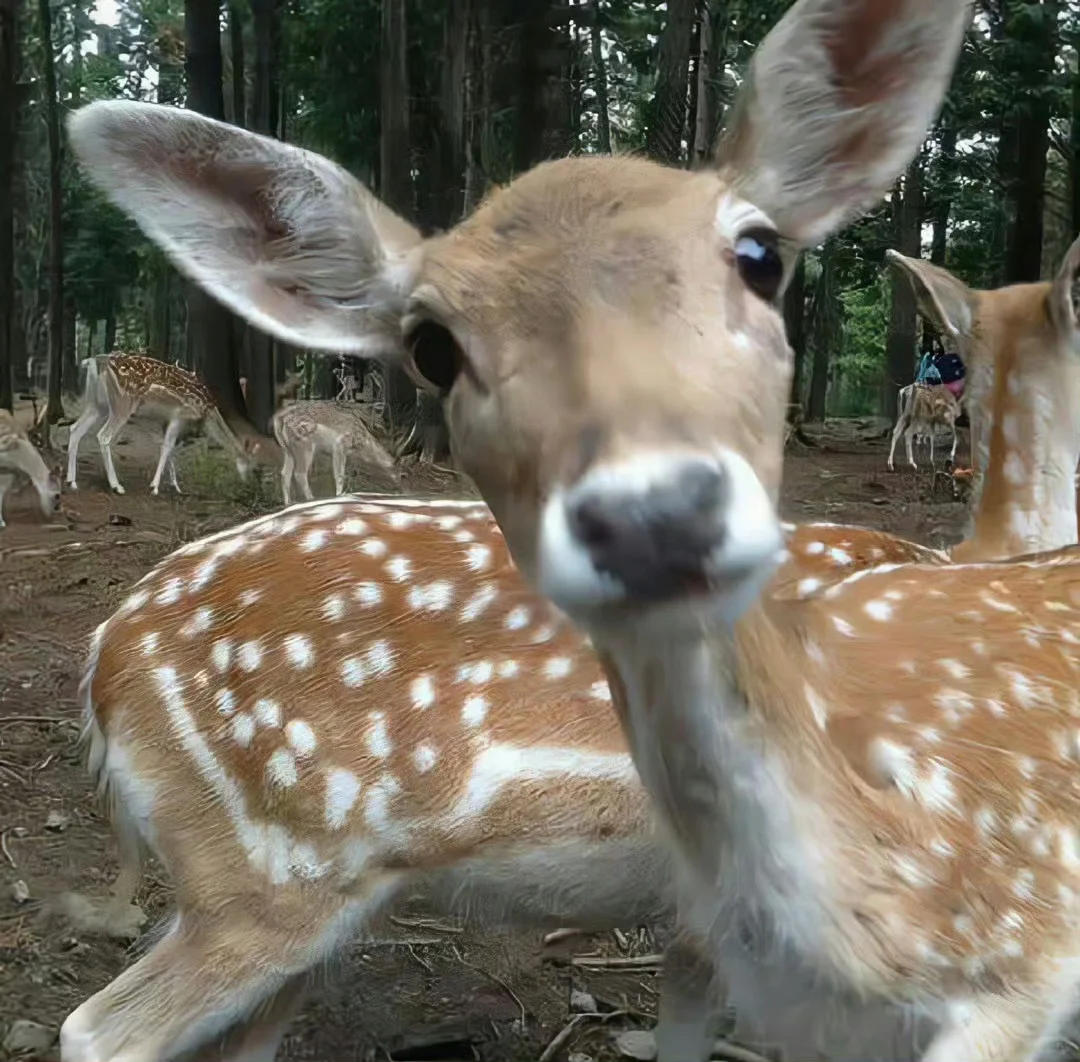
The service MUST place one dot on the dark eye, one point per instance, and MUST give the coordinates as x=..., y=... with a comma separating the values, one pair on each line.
x=436, y=354
x=760, y=264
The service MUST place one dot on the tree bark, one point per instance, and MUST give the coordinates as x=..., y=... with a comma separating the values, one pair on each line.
x=823, y=309
x=236, y=56
x=542, y=125
x=54, y=408
x=795, y=326
x=210, y=331
x=260, y=398
x=10, y=100
x=600, y=84
x=1074, y=147
x=704, y=119
x=666, y=127
x=900, y=344
x=941, y=207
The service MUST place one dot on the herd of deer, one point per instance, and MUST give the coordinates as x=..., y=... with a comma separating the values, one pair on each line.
x=848, y=765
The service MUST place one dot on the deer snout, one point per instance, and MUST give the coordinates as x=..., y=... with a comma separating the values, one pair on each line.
x=656, y=529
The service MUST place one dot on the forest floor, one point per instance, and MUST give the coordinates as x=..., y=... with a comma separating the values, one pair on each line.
x=431, y=991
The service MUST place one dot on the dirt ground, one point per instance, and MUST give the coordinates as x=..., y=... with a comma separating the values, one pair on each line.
x=431, y=991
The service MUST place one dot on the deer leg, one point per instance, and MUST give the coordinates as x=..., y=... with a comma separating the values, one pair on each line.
x=337, y=455
x=307, y=455
x=932, y=433
x=88, y=419
x=172, y=473
x=214, y=974
x=172, y=431
x=5, y=482
x=897, y=432
x=689, y=997
x=907, y=446
x=288, y=470
x=105, y=437
x=952, y=453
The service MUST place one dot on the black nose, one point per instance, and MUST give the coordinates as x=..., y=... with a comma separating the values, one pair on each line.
x=656, y=542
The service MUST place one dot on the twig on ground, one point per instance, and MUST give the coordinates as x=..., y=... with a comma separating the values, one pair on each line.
x=568, y=1030
x=498, y=980
x=425, y=923
x=557, y=935
x=421, y=961
x=619, y=962
x=142, y=538
x=56, y=720
x=4, y=848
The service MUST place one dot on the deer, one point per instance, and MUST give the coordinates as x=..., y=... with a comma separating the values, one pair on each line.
x=20, y=460
x=902, y=836
x=922, y=409
x=303, y=429
x=120, y=386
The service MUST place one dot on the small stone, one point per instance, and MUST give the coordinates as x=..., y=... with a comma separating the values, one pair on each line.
x=28, y=1038
x=636, y=1043
x=582, y=1002
x=20, y=892
x=57, y=821
x=577, y=1056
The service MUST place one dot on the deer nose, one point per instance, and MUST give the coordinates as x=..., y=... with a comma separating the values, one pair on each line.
x=657, y=541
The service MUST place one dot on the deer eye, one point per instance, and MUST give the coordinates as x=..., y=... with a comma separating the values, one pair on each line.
x=436, y=354
x=760, y=265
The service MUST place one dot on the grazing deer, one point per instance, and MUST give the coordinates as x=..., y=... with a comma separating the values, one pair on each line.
x=287, y=390
x=588, y=393
x=1023, y=400
x=922, y=408
x=122, y=386
x=303, y=429
x=19, y=459
x=350, y=389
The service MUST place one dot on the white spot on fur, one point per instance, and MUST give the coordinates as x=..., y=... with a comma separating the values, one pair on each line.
x=353, y=672
x=352, y=526
x=314, y=540
x=435, y=597
x=342, y=789
x=601, y=691
x=267, y=713
x=422, y=691
x=425, y=757
x=840, y=556
x=448, y=523
x=398, y=568
x=808, y=586
x=133, y=602
x=474, y=711
x=334, y=607
x=281, y=768
x=517, y=618
x=817, y=707
x=374, y=547
x=543, y=633
x=378, y=737
x=301, y=737
x=368, y=594
x=226, y=701
x=558, y=667
x=381, y=658
x=814, y=548
x=478, y=557
x=250, y=656
x=221, y=654
x=843, y=627
x=879, y=610
x=479, y=603
x=198, y=623
x=299, y=650
x=243, y=730
x=170, y=593
x=507, y=669
x=149, y=643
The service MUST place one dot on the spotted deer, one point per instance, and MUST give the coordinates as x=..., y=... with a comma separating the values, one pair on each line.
x=20, y=460
x=303, y=429
x=1022, y=394
x=923, y=409
x=584, y=326
x=123, y=386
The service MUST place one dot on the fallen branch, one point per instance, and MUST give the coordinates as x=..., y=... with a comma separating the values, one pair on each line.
x=141, y=538
x=619, y=962
x=571, y=1026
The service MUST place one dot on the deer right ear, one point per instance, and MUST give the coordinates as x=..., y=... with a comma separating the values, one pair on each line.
x=282, y=236
x=942, y=298
x=838, y=98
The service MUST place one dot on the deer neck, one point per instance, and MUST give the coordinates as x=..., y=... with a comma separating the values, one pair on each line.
x=217, y=426
x=723, y=735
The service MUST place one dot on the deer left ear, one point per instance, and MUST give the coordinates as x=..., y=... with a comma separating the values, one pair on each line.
x=1065, y=295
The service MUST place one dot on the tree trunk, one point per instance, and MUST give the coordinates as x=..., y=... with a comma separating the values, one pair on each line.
x=91, y=335
x=110, y=331
x=900, y=344
x=600, y=84
x=10, y=100
x=795, y=326
x=822, y=311
x=236, y=56
x=941, y=207
x=54, y=408
x=667, y=112
x=704, y=120
x=71, y=355
x=1074, y=147
x=542, y=125
x=261, y=400
x=210, y=330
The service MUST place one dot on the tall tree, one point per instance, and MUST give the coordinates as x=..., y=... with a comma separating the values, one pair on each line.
x=9, y=129
x=600, y=82
x=261, y=377
x=667, y=112
x=210, y=327
x=543, y=111
x=900, y=345
x=54, y=408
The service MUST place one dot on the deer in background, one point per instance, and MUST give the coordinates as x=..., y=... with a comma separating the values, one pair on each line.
x=19, y=460
x=922, y=409
x=120, y=387
x=303, y=429
x=588, y=395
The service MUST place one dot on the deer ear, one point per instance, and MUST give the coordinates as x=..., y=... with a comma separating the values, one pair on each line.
x=1065, y=295
x=942, y=298
x=282, y=236
x=838, y=98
